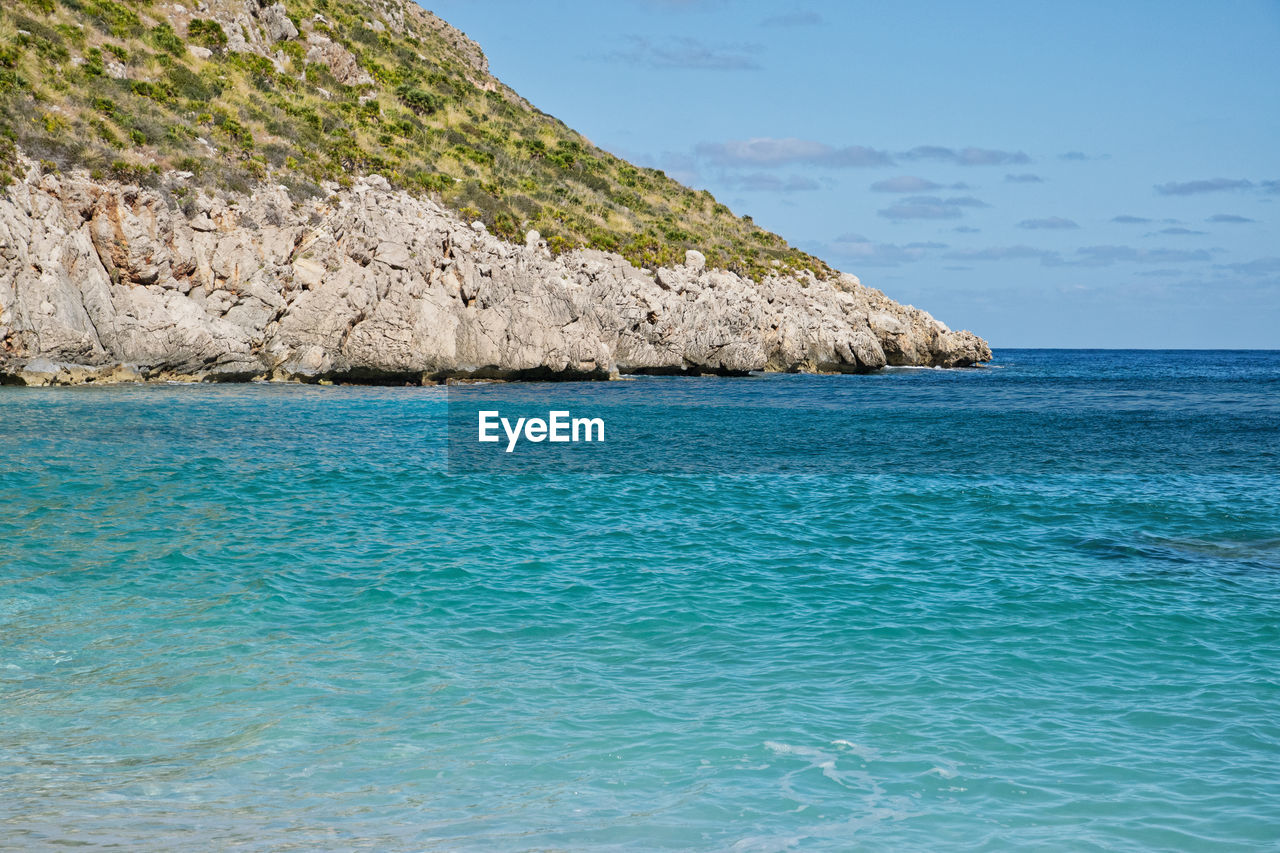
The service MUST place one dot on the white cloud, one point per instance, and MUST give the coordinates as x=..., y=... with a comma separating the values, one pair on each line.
x=1057, y=223
x=904, y=184
x=767, y=151
x=966, y=156
x=930, y=207
x=688, y=54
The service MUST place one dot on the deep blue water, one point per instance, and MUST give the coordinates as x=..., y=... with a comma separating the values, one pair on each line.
x=1030, y=607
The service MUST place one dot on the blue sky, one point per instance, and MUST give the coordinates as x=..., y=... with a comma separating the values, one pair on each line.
x=1046, y=174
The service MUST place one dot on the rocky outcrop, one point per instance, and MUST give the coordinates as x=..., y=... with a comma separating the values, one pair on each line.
x=107, y=282
x=257, y=26
x=324, y=51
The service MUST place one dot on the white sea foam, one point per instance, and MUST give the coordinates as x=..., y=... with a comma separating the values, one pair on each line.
x=866, y=753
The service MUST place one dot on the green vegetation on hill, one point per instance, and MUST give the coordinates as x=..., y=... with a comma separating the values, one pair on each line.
x=113, y=86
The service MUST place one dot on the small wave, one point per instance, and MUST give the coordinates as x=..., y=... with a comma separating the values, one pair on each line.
x=809, y=752
x=864, y=752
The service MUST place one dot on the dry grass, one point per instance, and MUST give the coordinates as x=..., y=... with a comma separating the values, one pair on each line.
x=237, y=119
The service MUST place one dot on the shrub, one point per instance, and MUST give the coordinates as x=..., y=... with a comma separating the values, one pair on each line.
x=75, y=35
x=506, y=227
x=104, y=132
x=431, y=181
x=8, y=159
x=207, y=34
x=420, y=101
x=93, y=64
x=120, y=21
x=472, y=155
x=189, y=85
x=536, y=148
x=604, y=240
x=11, y=81
x=261, y=72
x=295, y=51
x=402, y=128
x=559, y=245
x=127, y=172
x=158, y=92
x=194, y=165
x=53, y=124
x=526, y=206
x=566, y=154
x=179, y=133
x=163, y=37
x=233, y=129
x=627, y=199
x=596, y=182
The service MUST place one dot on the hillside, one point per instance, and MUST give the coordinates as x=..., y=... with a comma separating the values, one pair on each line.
x=341, y=192
x=241, y=94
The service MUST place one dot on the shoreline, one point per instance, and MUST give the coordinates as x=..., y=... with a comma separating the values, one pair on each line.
x=41, y=373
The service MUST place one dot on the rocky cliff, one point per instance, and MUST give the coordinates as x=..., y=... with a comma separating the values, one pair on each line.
x=237, y=189
x=104, y=281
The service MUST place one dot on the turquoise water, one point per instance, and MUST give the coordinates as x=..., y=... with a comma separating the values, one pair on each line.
x=1028, y=607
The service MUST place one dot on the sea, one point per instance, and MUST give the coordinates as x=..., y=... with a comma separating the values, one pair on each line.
x=1030, y=606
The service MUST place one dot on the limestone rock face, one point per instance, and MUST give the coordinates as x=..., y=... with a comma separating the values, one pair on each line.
x=252, y=26
x=322, y=50
x=277, y=24
x=107, y=282
x=257, y=26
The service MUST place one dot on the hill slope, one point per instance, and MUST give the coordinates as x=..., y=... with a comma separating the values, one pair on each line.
x=245, y=92
x=341, y=191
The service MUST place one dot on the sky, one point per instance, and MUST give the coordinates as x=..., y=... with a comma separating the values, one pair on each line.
x=1092, y=174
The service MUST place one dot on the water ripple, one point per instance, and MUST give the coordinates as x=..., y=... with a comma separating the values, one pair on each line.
x=264, y=617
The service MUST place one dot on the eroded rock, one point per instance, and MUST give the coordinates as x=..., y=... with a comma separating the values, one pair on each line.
x=96, y=275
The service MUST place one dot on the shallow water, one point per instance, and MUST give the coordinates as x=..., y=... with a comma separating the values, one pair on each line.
x=1027, y=607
